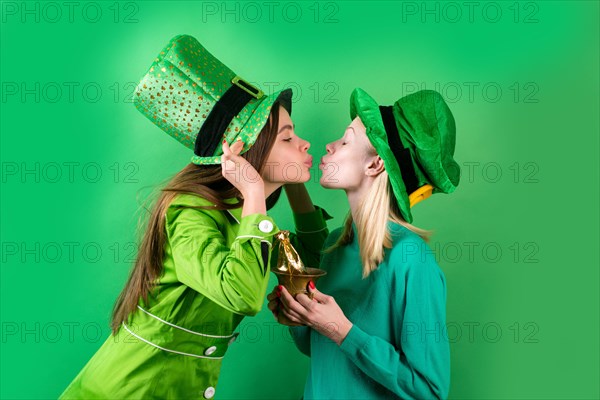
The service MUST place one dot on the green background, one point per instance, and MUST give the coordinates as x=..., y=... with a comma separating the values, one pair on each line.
x=518, y=240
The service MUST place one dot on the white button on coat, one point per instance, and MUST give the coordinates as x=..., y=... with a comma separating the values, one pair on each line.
x=232, y=340
x=210, y=350
x=265, y=226
x=209, y=392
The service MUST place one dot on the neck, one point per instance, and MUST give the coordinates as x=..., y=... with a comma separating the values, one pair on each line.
x=270, y=188
x=356, y=196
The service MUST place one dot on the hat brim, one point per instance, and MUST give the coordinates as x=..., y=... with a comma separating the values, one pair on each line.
x=367, y=109
x=260, y=109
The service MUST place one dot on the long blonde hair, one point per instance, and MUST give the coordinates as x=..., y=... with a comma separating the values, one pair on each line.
x=377, y=208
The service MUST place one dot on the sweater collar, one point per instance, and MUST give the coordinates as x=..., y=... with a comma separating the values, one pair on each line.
x=354, y=242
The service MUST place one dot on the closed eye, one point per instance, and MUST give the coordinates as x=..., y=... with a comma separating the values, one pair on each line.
x=287, y=140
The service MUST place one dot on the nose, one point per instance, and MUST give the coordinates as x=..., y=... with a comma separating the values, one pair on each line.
x=305, y=145
x=329, y=148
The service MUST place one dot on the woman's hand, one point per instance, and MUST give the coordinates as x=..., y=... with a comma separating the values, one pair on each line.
x=322, y=313
x=273, y=298
x=239, y=172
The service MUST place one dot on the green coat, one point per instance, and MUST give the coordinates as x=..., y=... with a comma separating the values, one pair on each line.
x=215, y=273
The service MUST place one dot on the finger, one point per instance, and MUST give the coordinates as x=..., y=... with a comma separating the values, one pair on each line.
x=318, y=296
x=275, y=313
x=290, y=303
x=285, y=297
x=292, y=316
x=273, y=305
x=306, y=302
x=237, y=147
x=226, y=156
x=226, y=148
x=273, y=295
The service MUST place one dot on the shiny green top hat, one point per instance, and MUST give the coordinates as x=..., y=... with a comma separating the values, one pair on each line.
x=196, y=99
x=415, y=138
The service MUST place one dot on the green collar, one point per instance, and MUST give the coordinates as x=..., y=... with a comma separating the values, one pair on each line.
x=236, y=213
x=354, y=242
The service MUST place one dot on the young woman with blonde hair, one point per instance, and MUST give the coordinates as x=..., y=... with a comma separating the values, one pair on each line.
x=375, y=328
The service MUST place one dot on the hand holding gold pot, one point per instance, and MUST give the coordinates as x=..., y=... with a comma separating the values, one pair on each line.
x=292, y=274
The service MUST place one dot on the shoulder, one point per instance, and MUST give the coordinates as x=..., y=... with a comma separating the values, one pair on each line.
x=406, y=242
x=410, y=254
x=333, y=237
x=183, y=200
x=189, y=208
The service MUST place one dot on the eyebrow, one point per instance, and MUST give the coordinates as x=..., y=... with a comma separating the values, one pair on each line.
x=286, y=127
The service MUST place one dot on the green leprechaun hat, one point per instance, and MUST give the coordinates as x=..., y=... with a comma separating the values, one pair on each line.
x=415, y=138
x=196, y=99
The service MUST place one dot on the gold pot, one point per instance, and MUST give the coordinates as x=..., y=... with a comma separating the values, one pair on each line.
x=296, y=283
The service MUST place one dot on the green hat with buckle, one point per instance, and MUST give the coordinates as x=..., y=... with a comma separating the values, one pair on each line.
x=199, y=101
x=415, y=138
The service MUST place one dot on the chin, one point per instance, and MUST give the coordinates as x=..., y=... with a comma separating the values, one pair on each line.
x=327, y=184
x=301, y=179
x=305, y=178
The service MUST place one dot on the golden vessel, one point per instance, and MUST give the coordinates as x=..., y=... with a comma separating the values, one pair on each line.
x=291, y=272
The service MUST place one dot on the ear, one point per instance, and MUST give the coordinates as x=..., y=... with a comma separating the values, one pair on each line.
x=375, y=166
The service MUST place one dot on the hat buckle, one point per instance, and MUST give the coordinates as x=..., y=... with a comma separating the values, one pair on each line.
x=247, y=87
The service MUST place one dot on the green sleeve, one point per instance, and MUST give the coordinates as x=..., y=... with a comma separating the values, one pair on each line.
x=418, y=364
x=301, y=336
x=233, y=276
x=309, y=236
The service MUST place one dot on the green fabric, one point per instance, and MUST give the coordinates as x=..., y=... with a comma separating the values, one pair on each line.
x=181, y=88
x=426, y=127
x=311, y=233
x=397, y=347
x=214, y=275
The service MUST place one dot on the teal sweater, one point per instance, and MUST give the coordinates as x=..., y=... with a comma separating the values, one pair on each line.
x=398, y=346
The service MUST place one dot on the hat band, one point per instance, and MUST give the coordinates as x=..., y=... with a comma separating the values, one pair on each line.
x=402, y=154
x=219, y=118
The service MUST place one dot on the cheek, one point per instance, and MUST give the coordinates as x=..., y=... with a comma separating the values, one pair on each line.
x=280, y=151
x=285, y=164
x=343, y=171
x=274, y=156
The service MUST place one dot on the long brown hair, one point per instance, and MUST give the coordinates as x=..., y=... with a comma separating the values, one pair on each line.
x=205, y=181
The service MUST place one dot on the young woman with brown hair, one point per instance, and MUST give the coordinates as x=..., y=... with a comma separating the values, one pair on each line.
x=203, y=263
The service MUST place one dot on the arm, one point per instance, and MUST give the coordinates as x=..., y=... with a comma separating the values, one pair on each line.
x=311, y=226
x=234, y=277
x=417, y=365
x=301, y=336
